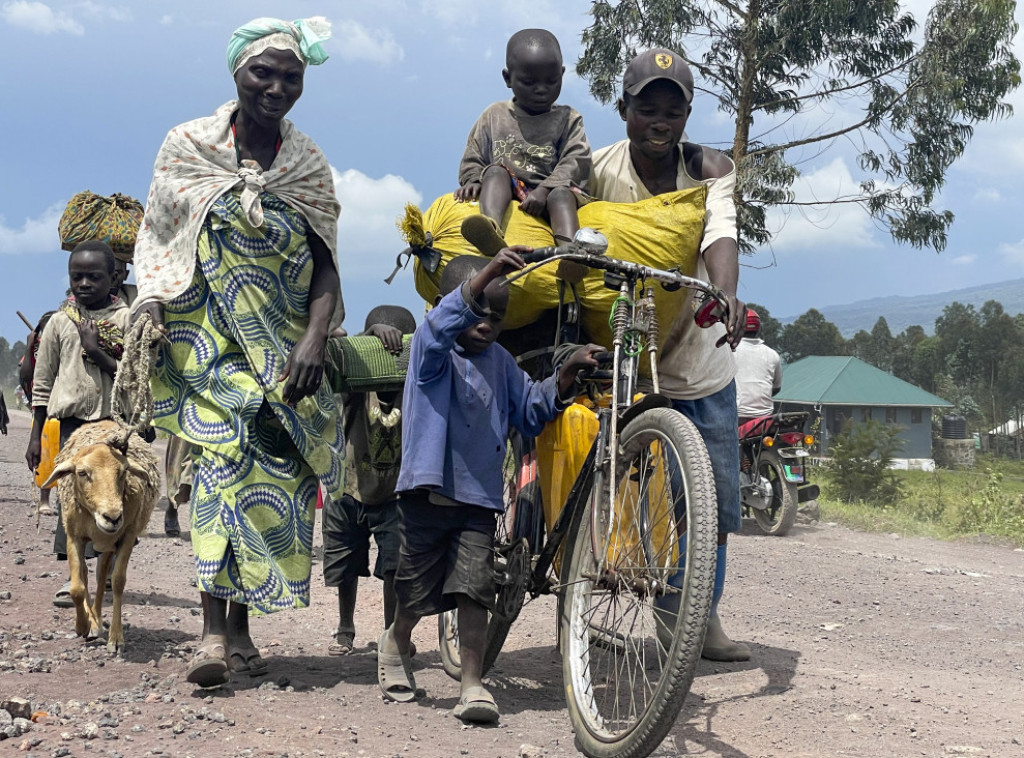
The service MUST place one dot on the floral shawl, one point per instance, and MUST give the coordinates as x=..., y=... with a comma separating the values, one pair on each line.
x=197, y=164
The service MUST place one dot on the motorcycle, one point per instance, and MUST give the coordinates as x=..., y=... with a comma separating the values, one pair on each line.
x=773, y=452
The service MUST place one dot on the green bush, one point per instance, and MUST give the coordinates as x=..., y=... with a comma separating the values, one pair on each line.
x=943, y=504
x=859, y=466
x=991, y=510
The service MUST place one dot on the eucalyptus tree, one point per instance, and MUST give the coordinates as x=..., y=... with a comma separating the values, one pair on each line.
x=799, y=77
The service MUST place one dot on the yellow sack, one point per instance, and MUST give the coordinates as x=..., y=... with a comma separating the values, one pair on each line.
x=114, y=220
x=661, y=232
x=50, y=448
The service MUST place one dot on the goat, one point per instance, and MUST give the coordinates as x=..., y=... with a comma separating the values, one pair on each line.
x=109, y=500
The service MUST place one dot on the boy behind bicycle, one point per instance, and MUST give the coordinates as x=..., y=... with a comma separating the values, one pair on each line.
x=462, y=393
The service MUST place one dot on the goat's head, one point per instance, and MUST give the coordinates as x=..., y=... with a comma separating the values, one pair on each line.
x=100, y=482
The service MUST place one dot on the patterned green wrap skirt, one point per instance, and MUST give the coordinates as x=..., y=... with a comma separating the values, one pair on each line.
x=215, y=385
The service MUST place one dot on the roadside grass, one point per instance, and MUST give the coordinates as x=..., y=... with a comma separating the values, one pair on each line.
x=987, y=502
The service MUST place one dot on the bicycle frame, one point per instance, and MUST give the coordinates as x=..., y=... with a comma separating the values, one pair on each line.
x=634, y=323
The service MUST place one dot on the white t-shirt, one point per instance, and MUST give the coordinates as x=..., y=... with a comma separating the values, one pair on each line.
x=691, y=367
x=758, y=376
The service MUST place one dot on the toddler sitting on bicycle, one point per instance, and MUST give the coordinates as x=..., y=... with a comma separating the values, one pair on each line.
x=529, y=148
x=462, y=393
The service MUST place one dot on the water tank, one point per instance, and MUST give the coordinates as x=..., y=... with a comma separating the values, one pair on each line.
x=954, y=427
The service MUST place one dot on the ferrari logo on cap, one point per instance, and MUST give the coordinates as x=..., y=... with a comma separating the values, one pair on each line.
x=663, y=60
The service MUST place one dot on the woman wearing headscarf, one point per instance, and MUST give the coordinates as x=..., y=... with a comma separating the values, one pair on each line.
x=236, y=263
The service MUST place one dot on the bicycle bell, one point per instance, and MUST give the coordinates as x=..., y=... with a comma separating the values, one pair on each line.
x=591, y=241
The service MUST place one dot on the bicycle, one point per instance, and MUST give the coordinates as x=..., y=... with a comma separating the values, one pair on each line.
x=645, y=483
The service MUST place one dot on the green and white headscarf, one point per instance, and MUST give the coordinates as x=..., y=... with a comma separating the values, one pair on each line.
x=304, y=37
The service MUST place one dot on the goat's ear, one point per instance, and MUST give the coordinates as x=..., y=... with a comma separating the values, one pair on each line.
x=61, y=470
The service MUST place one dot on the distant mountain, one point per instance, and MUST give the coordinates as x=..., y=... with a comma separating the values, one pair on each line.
x=901, y=312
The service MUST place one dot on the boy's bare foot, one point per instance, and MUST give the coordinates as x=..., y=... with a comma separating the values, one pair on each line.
x=484, y=234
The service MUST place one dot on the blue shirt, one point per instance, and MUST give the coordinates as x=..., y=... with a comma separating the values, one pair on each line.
x=458, y=408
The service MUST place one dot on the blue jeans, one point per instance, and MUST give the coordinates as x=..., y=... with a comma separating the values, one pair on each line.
x=716, y=419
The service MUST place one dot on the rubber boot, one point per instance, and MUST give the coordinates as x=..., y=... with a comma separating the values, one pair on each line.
x=717, y=645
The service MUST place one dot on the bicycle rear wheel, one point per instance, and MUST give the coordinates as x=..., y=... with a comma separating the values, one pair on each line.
x=624, y=689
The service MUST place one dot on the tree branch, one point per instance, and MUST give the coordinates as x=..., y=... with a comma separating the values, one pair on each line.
x=732, y=7
x=837, y=201
x=837, y=133
x=828, y=93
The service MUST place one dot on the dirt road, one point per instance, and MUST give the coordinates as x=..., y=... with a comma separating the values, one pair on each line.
x=864, y=645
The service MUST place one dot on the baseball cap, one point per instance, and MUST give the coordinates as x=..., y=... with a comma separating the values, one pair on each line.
x=659, y=63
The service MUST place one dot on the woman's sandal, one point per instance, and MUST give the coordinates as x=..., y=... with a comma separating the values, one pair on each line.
x=394, y=673
x=209, y=667
x=62, y=598
x=246, y=660
x=343, y=642
x=477, y=706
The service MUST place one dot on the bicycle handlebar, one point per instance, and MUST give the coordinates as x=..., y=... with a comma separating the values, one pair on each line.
x=707, y=314
x=544, y=255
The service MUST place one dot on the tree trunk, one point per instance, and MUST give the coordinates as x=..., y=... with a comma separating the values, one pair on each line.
x=745, y=101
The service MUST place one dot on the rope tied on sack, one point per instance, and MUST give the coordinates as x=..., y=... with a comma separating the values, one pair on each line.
x=132, y=400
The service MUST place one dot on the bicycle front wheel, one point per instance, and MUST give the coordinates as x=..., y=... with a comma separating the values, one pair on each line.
x=624, y=687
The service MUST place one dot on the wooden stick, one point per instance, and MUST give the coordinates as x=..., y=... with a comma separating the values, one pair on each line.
x=22, y=317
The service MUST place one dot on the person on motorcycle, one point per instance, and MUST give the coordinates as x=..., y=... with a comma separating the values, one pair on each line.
x=758, y=372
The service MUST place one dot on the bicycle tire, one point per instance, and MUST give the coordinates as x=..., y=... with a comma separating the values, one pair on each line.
x=779, y=517
x=609, y=638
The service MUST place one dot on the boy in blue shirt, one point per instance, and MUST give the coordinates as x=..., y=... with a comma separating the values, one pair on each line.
x=462, y=393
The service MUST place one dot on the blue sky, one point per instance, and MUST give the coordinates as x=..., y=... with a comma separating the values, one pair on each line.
x=91, y=88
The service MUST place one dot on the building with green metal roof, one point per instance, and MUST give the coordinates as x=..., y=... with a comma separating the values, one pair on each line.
x=839, y=388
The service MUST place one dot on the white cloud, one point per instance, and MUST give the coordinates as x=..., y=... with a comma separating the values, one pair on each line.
x=452, y=12
x=822, y=227
x=964, y=260
x=987, y=195
x=1013, y=252
x=353, y=41
x=98, y=10
x=368, y=239
x=39, y=18
x=167, y=20
x=36, y=235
